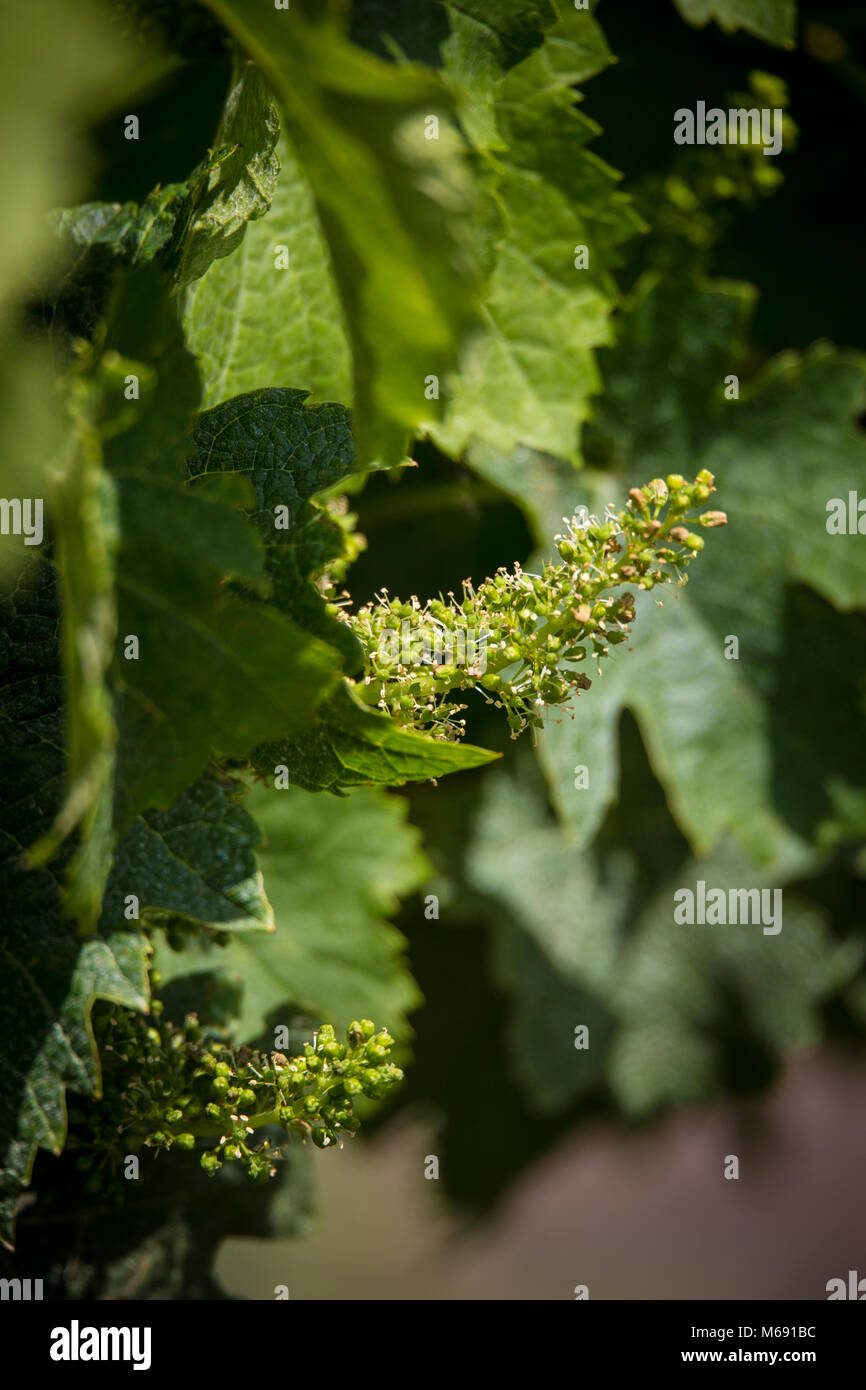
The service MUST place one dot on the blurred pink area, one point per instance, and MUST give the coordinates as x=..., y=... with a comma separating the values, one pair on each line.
x=647, y=1216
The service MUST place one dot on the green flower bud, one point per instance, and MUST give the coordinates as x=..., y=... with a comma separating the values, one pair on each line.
x=185, y=1141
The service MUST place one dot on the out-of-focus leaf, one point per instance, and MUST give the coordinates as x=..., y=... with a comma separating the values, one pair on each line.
x=772, y=20
x=664, y=1002
x=81, y=68
x=334, y=871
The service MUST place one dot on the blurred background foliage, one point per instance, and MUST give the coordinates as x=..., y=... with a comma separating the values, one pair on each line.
x=555, y=903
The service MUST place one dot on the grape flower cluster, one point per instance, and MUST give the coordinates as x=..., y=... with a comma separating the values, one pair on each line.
x=172, y=1086
x=534, y=629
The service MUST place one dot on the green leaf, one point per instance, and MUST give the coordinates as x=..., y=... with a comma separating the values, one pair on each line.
x=334, y=871
x=773, y=20
x=391, y=205
x=288, y=451
x=196, y=861
x=240, y=186
x=590, y=938
x=86, y=540
x=172, y=1229
x=526, y=379
x=706, y=719
x=351, y=745
x=50, y=977
x=214, y=672
x=247, y=321
x=58, y=75
x=183, y=227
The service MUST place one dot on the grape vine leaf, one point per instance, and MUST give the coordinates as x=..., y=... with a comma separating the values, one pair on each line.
x=589, y=937
x=352, y=745
x=183, y=227
x=772, y=20
x=527, y=377
x=779, y=452
x=195, y=861
x=244, y=324
x=214, y=672
x=334, y=870
x=288, y=451
x=50, y=977
x=391, y=204
x=241, y=186
x=168, y=1241
x=58, y=75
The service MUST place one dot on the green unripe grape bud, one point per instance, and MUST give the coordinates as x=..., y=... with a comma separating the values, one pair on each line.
x=511, y=653
x=675, y=481
x=567, y=549
x=333, y=1049
x=491, y=681
x=368, y=1027
x=311, y=1105
x=326, y=1033
x=376, y=1053
x=171, y=1117
x=355, y=1034
x=694, y=543
x=223, y=1069
x=185, y=1141
x=246, y=1097
x=213, y=1110
x=314, y=1063
x=219, y=1085
x=352, y=1086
